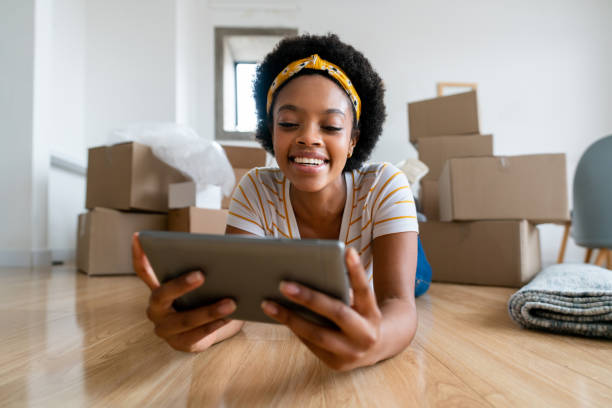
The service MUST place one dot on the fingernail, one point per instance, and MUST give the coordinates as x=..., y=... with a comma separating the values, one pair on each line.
x=289, y=288
x=226, y=307
x=269, y=308
x=354, y=257
x=194, y=277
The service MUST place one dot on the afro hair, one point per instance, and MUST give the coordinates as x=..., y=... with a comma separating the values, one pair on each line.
x=366, y=81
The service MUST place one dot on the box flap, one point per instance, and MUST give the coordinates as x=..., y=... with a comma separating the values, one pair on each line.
x=109, y=174
x=245, y=157
x=151, y=178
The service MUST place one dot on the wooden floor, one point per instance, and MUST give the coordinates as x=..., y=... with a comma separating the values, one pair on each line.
x=70, y=340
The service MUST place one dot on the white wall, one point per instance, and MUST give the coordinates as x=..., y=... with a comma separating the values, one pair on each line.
x=130, y=71
x=66, y=202
x=22, y=239
x=61, y=118
x=64, y=107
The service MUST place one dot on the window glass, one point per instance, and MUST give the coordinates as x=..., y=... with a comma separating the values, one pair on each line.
x=245, y=103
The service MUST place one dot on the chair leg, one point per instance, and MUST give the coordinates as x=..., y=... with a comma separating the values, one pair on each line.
x=564, y=242
x=601, y=257
x=587, y=258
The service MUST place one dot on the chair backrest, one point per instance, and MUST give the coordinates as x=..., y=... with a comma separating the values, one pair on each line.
x=592, y=213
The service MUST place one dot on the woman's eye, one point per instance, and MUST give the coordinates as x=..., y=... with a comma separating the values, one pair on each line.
x=287, y=124
x=332, y=128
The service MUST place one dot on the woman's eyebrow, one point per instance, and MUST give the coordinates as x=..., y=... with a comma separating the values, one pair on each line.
x=294, y=108
x=335, y=111
x=288, y=107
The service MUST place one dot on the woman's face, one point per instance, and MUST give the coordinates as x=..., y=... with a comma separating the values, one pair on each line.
x=311, y=132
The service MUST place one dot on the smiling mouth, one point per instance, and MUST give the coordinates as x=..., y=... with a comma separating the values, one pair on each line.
x=308, y=161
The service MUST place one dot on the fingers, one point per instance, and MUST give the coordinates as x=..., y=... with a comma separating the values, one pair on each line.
x=325, y=356
x=162, y=297
x=183, y=322
x=197, y=339
x=364, y=299
x=141, y=264
x=346, y=318
x=330, y=340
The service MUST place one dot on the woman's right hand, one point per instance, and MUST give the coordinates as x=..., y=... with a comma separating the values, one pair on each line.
x=193, y=330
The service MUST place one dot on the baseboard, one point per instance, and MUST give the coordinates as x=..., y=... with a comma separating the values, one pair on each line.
x=25, y=259
x=63, y=255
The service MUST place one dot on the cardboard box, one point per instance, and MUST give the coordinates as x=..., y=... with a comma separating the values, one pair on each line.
x=434, y=151
x=197, y=220
x=531, y=187
x=104, y=239
x=445, y=115
x=127, y=176
x=181, y=195
x=430, y=199
x=496, y=253
x=243, y=159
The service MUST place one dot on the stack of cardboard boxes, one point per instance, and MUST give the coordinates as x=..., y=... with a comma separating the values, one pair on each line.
x=128, y=190
x=481, y=209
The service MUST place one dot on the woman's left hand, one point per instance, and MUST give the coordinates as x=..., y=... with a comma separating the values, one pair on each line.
x=354, y=344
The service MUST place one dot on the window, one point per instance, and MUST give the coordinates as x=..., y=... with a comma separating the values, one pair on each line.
x=245, y=104
x=237, y=53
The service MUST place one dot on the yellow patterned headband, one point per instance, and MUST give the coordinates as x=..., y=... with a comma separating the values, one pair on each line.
x=315, y=62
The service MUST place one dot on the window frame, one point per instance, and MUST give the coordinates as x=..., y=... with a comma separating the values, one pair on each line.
x=220, y=34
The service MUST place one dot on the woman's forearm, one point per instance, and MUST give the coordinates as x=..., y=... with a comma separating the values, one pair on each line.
x=397, y=330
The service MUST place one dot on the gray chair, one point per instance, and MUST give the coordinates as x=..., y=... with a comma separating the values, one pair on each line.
x=592, y=212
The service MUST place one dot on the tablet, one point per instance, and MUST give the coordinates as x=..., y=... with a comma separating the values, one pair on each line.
x=248, y=269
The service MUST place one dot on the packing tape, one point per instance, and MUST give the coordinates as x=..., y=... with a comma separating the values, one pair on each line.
x=504, y=163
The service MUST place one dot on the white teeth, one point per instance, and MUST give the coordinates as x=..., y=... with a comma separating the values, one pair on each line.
x=308, y=160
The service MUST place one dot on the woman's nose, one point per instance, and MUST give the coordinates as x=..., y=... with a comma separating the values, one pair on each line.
x=310, y=136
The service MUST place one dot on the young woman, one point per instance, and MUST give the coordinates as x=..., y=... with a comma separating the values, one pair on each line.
x=320, y=112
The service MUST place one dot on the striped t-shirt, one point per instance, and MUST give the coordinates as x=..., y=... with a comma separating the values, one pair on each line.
x=378, y=202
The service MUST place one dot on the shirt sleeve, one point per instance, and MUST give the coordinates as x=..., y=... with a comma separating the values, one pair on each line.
x=243, y=212
x=394, y=211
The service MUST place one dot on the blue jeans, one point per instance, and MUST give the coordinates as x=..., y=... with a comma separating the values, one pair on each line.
x=423, y=273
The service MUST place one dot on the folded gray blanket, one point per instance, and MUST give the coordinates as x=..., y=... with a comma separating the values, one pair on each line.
x=566, y=298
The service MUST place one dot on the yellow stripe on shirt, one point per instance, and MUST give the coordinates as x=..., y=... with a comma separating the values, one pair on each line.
x=353, y=240
x=348, y=229
x=286, y=213
x=246, y=198
x=394, y=218
x=246, y=219
x=241, y=203
x=263, y=210
x=389, y=195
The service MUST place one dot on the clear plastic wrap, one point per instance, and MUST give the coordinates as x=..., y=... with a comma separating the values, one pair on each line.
x=204, y=161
